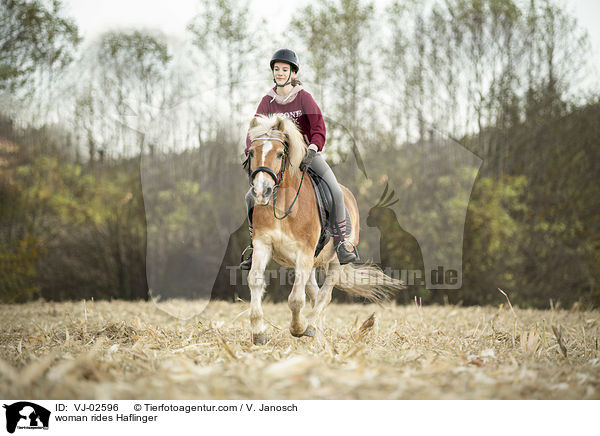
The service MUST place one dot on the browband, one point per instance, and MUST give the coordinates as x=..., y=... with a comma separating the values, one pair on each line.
x=268, y=139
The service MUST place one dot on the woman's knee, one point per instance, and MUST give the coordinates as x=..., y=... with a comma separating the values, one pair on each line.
x=322, y=169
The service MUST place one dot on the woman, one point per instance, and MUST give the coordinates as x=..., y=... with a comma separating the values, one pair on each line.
x=288, y=98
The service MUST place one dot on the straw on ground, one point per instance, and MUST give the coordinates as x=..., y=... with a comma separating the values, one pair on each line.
x=122, y=350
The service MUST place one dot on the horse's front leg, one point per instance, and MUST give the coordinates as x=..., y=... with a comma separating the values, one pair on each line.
x=256, y=281
x=297, y=298
x=312, y=287
x=315, y=318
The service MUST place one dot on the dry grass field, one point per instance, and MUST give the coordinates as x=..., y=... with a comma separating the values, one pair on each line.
x=128, y=350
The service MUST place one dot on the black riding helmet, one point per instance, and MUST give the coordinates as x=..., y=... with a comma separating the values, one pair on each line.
x=288, y=56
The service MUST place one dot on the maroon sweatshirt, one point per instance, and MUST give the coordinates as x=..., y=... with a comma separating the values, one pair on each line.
x=301, y=107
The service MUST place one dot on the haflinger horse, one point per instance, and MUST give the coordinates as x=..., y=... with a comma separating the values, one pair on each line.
x=276, y=151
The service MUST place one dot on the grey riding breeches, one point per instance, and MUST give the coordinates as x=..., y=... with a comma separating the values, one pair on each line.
x=320, y=166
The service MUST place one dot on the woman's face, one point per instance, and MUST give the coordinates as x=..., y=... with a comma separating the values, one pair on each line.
x=281, y=72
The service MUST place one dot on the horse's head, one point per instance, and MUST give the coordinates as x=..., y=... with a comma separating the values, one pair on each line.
x=276, y=147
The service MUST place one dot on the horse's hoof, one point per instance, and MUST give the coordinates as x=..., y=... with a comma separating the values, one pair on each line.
x=310, y=332
x=296, y=335
x=259, y=338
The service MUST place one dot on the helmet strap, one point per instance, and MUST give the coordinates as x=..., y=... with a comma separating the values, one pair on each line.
x=287, y=82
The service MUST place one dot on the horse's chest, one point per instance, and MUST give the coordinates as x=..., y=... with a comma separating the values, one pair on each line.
x=285, y=249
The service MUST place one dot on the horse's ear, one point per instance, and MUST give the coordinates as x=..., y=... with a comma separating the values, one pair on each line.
x=280, y=124
x=253, y=122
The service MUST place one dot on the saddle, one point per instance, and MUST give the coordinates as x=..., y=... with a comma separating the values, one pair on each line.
x=326, y=209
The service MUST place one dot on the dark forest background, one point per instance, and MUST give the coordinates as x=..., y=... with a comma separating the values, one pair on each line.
x=502, y=78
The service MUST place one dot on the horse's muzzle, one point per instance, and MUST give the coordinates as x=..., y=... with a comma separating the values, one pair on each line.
x=262, y=193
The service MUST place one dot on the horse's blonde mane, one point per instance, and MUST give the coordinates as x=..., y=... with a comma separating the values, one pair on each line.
x=265, y=125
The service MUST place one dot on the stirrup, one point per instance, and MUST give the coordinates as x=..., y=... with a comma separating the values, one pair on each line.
x=246, y=264
x=344, y=255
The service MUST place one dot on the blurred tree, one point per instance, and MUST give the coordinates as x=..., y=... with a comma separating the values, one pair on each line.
x=337, y=35
x=313, y=27
x=131, y=88
x=230, y=45
x=492, y=253
x=18, y=272
x=33, y=34
x=500, y=74
x=396, y=62
x=557, y=51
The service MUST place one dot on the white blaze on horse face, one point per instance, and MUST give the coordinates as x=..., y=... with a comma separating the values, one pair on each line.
x=267, y=146
x=263, y=184
x=259, y=187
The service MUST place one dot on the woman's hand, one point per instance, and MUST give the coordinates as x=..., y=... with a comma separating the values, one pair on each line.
x=308, y=158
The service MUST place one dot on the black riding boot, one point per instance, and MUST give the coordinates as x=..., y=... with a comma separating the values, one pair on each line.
x=341, y=247
x=346, y=256
x=247, y=263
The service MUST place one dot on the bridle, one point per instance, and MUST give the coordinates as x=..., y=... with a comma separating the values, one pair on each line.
x=277, y=178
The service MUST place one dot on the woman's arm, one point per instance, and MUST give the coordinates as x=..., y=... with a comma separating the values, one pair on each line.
x=316, y=131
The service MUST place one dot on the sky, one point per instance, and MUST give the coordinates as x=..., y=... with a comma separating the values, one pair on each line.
x=171, y=17
x=94, y=17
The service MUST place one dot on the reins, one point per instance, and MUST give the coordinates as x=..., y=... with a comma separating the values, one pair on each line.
x=276, y=178
x=295, y=198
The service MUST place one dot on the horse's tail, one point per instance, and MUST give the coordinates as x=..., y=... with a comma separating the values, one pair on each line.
x=367, y=281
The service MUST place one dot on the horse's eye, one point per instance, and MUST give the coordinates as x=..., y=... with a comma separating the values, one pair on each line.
x=279, y=155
